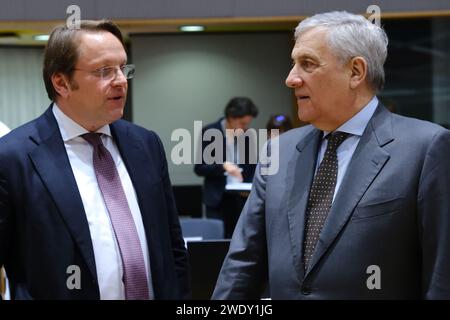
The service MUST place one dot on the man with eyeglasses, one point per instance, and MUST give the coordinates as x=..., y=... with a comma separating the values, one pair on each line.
x=86, y=207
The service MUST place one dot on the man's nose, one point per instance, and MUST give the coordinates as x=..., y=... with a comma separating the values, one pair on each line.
x=119, y=78
x=293, y=79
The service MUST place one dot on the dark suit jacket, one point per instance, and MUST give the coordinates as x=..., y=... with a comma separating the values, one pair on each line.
x=43, y=226
x=392, y=211
x=215, y=180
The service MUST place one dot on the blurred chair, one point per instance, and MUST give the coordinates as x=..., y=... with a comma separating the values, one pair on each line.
x=208, y=229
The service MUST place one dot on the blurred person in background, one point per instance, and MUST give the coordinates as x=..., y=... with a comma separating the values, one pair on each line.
x=239, y=113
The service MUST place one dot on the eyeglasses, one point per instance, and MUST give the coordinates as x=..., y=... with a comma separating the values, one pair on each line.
x=109, y=73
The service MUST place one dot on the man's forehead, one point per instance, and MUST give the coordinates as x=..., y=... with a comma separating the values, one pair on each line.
x=95, y=46
x=98, y=40
x=312, y=42
x=302, y=50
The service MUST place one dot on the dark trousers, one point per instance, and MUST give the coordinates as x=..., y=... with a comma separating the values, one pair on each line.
x=228, y=211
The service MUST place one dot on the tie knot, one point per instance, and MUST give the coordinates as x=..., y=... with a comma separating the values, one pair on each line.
x=93, y=138
x=336, y=138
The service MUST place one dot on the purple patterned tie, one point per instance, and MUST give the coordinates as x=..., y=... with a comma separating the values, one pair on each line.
x=134, y=275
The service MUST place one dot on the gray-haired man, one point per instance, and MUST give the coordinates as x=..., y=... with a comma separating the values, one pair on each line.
x=360, y=206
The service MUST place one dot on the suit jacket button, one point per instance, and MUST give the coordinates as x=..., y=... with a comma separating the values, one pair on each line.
x=306, y=290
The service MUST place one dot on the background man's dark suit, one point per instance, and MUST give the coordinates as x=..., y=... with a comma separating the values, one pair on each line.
x=215, y=180
x=392, y=210
x=43, y=226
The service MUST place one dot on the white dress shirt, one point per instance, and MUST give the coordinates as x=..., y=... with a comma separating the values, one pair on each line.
x=231, y=152
x=3, y=129
x=106, y=250
x=355, y=126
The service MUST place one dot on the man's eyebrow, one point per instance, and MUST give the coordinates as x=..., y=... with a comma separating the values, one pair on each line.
x=304, y=55
x=110, y=63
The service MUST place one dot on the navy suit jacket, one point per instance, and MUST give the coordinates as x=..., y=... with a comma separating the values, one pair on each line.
x=392, y=211
x=43, y=225
x=215, y=180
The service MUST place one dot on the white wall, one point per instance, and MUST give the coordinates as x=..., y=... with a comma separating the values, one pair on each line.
x=22, y=92
x=182, y=78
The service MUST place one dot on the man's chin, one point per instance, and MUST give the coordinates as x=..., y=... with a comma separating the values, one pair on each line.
x=115, y=114
x=305, y=116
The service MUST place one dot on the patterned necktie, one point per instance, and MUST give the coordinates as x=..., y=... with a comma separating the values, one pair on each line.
x=134, y=274
x=321, y=196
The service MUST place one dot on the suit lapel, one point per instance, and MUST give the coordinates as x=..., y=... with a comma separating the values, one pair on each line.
x=53, y=166
x=366, y=163
x=137, y=162
x=299, y=184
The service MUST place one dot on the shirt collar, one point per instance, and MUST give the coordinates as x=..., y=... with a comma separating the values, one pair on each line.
x=70, y=129
x=358, y=123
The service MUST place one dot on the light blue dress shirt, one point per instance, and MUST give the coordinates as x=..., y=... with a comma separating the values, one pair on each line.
x=355, y=126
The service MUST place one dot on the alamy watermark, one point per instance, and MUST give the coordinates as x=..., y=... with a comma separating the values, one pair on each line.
x=73, y=21
x=241, y=147
x=375, y=14
x=374, y=280
x=74, y=279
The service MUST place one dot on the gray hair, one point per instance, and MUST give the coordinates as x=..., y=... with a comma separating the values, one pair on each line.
x=350, y=35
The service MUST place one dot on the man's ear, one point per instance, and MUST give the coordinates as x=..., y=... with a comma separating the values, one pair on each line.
x=61, y=84
x=358, y=67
